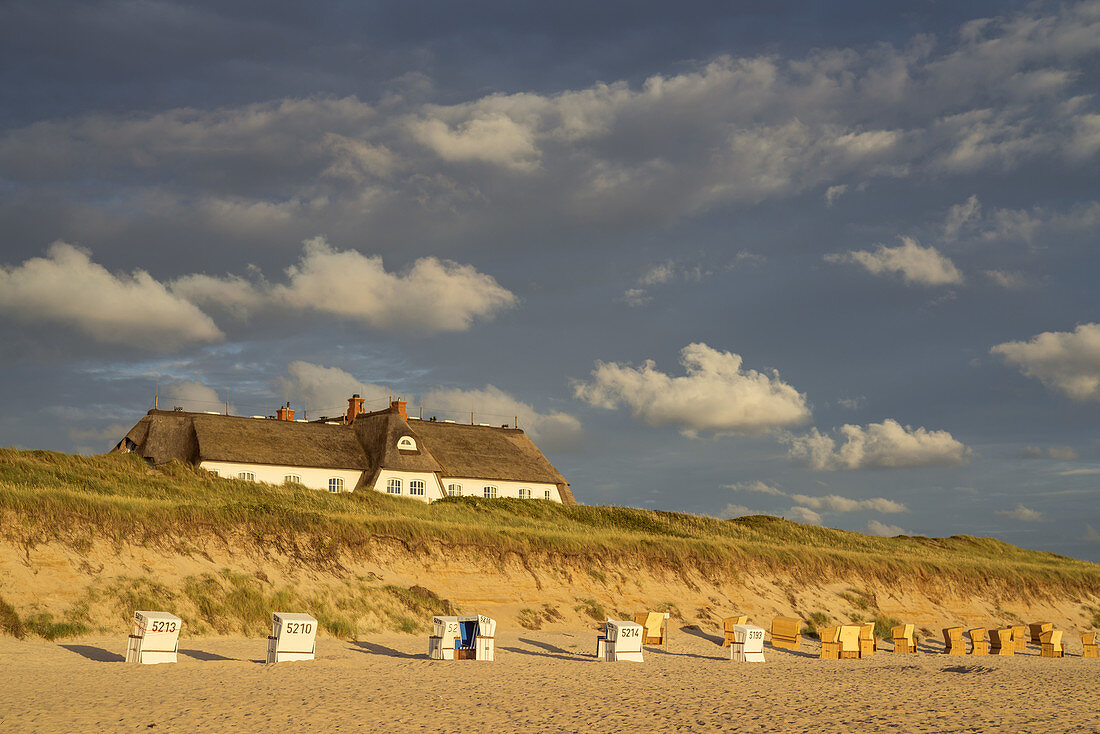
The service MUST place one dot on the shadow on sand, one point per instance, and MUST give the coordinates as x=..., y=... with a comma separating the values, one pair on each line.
x=373, y=648
x=799, y=653
x=572, y=657
x=97, y=654
x=203, y=655
x=695, y=631
x=651, y=649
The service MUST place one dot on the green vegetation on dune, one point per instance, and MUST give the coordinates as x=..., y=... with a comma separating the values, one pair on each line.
x=49, y=497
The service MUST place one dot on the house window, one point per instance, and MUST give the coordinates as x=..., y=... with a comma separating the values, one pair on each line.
x=454, y=490
x=546, y=494
x=416, y=488
x=247, y=476
x=335, y=484
x=406, y=443
x=393, y=486
x=490, y=493
x=524, y=493
x=292, y=479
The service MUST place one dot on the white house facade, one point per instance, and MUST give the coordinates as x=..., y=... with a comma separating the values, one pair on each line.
x=385, y=450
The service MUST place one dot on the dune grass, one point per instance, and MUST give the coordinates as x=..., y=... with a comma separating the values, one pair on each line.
x=78, y=501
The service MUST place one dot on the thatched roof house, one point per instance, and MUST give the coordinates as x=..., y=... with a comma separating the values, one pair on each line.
x=384, y=450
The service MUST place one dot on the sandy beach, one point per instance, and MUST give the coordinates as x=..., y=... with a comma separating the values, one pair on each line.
x=540, y=681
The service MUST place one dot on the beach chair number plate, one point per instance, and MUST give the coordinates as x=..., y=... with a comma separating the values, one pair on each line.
x=756, y=635
x=630, y=632
x=452, y=628
x=159, y=626
x=298, y=628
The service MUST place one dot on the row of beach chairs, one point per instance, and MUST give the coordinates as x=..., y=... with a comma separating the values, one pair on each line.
x=154, y=637
x=859, y=641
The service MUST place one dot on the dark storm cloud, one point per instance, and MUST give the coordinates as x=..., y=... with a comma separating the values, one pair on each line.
x=865, y=198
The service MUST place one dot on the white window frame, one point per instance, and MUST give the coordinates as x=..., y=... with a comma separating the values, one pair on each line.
x=546, y=494
x=490, y=492
x=335, y=484
x=247, y=476
x=393, y=485
x=406, y=443
x=292, y=479
x=524, y=493
x=454, y=490
x=416, y=487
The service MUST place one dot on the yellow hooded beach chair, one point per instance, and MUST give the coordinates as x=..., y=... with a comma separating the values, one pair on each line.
x=1037, y=629
x=1001, y=642
x=786, y=632
x=830, y=643
x=654, y=627
x=903, y=638
x=1088, y=642
x=868, y=645
x=849, y=642
x=1051, y=644
x=953, y=643
x=1019, y=636
x=979, y=641
x=727, y=628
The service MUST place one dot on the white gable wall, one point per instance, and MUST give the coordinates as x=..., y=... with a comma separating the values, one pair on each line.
x=432, y=490
x=310, y=476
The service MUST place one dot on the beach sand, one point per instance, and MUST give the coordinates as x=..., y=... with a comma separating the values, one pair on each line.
x=540, y=682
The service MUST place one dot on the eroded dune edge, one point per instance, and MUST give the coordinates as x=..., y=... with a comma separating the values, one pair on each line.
x=86, y=540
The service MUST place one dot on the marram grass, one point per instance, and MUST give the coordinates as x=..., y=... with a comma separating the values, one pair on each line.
x=48, y=497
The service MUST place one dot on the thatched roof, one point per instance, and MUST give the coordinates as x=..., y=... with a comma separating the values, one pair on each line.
x=369, y=444
x=485, y=452
x=195, y=437
x=379, y=432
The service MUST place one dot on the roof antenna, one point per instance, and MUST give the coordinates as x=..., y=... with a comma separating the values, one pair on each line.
x=156, y=394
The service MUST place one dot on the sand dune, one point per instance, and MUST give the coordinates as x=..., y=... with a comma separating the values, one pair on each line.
x=541, y=681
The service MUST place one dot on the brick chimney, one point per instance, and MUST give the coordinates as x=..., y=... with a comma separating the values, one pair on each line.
x=285, y=413
x=355, y=407
x=400, y=406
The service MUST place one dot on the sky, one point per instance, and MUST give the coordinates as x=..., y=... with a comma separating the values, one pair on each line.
x=829, y=261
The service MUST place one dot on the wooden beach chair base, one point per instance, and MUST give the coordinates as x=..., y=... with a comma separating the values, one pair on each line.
x=1091, y=651
x=1048, y=651
x=830, y=651
x=849, y=655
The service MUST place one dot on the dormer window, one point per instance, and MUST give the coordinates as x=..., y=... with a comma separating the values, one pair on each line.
x=406, y=443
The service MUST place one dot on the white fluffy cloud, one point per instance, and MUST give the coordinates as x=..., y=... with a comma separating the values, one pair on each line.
x=878, y=445
x=715, y=395
x=755, y=486
x=916, y=264
x=325, y=390
x=134, y=310
x=492, y=138
x=1068, y=361
x=432, y=296
x=731, y=511
x=328, y=388
x=662, y=274
x=1002, y=92
x=804, y=514
x=190, y=395
x=1022, y=513
x=874, y=527
x=836, y=503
